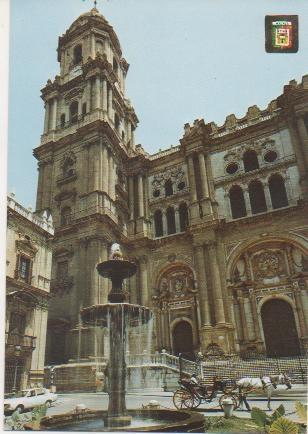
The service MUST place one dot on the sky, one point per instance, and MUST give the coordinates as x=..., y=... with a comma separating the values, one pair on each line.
x=188, y=59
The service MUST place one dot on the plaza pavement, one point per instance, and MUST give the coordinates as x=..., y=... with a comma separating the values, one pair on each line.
x=99, y=401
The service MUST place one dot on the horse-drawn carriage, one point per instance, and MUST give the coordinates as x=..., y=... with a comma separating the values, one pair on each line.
x=191, y=394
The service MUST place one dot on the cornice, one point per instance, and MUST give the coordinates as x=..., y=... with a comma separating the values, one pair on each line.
x=26, y=287
x=266, y=217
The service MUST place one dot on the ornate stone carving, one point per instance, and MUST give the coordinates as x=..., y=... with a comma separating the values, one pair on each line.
x=176, y=283
x=268, y=264
x=177, y=176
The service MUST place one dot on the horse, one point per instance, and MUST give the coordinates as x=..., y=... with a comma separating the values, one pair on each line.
x=266, y=383
x=281, y=379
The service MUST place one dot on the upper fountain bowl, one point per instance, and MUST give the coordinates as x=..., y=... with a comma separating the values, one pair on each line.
x=118, y=269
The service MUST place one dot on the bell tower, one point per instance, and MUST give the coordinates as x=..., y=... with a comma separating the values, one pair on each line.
x=88, y=137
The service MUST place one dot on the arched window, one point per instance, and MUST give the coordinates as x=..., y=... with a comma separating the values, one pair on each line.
x=183, y=213
x=250, y=160
x=237, y=202
x=278, y=191
x=115, y=65
x=62, y=120
x=77, y=54
x=99, y=47
x=257, y=198
x=65, y=216
x=158, y=223
x=168, y=188
x=170, y=221
x=74, y=112
x=116, y=121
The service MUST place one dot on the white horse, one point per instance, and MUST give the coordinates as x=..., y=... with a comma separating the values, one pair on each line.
x=266, y=383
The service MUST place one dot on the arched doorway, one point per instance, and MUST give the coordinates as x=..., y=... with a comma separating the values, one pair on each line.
x=279, y=328
x=183, y=340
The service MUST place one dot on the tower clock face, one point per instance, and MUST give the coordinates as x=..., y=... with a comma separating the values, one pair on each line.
x=77, y=70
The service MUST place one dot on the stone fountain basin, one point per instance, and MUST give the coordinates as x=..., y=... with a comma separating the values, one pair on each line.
x=133, y=314
x=173, y=421
x=115, y=268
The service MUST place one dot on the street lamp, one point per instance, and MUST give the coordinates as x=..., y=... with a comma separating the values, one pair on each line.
x=17, y=351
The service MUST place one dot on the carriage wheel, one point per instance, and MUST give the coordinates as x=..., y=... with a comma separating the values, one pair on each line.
x=234, y=399
x=183, y=399
x=196, y=401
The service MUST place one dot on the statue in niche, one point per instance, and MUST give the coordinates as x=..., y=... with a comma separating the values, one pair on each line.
x=239, y=274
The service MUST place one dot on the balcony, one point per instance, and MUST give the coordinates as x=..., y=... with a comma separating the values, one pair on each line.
x=15, y=339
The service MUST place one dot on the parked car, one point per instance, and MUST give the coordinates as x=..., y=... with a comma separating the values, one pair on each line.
x=29, y=398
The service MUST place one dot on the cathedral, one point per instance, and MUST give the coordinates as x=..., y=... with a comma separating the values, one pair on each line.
x=217, y=225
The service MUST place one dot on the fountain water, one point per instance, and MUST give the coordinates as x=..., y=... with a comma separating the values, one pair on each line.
x=120, y=315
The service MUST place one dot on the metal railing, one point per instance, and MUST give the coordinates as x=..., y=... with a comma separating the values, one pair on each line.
x=228, y=368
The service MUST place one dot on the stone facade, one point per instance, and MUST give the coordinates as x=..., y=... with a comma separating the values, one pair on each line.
x=217, y=225
x=28, y=273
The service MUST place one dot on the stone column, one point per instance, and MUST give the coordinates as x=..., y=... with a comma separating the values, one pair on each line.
x=192, y=182
x=92, y=42
x=288, y=187
x=102, y=282
x=132, y=135
x=164, y=221
x=105, y=168
x=228, y=205
x=110, y=111
x=202, y=284
x=204, y=182
x=255, y=317
x=300, y=314
x=54, y=114
x=267, y=195
x=140, y=196
x=40, y=186
x=105, y=96
x=91, y=166
x=96, y=165
x=216, y=288
x=304, y=139
x=97, y=100
x=46, y=120
x=241, y=301
x=133, y=289
x=247, y=200
x=93, y=251
x=144, y=281
x=110, y=176
x=177, y=220
x=300, y=160
x=128, y=129
x=131, y=196
x=146, y=197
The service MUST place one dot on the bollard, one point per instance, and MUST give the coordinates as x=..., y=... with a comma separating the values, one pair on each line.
x=227, y=405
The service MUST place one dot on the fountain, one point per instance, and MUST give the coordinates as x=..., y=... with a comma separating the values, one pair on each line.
x=118, y=315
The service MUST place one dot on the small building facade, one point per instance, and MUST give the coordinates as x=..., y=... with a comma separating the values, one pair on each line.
x=28, y=269
x=216, y=224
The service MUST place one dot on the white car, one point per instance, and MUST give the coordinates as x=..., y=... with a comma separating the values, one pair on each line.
x=29, y=398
